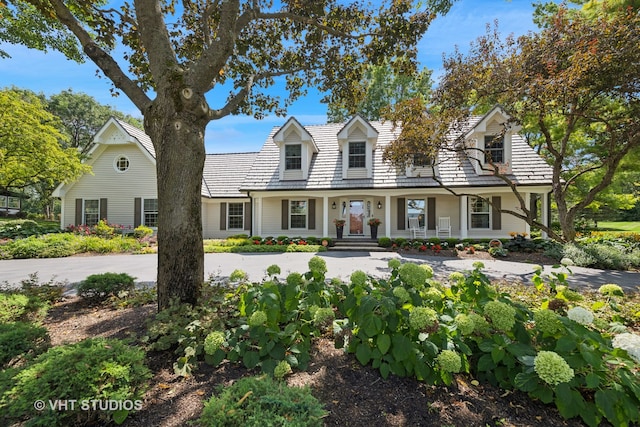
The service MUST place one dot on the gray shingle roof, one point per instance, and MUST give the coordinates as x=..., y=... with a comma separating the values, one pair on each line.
x=138, y=134
x=326, y=167
x=223, y=173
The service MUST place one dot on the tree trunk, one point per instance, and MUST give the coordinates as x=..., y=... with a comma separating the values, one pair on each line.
x=179, y=143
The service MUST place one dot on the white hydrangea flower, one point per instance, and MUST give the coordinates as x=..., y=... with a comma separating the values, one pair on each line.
x=580, y=315
x=630, y=343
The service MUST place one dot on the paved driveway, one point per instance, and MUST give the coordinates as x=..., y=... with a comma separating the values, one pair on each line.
x=339, y=264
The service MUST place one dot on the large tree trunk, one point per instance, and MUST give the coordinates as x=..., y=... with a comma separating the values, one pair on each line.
x=179, y=143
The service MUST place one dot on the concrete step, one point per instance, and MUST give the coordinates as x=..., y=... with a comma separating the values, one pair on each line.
x=356, y=244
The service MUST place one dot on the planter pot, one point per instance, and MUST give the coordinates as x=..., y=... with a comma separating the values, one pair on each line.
x=374, y=231
x=339, y=231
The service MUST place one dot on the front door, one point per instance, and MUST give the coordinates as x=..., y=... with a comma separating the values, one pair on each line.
x=356, y=217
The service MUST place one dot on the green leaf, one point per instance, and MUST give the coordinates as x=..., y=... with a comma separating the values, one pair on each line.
x=119, y=416
x=402, y=347
x=545, y=394
x=371, y=325
x=519, y=349
x=385, y=370
x=592, y=380
x=250, y=359
x=565, y=345
x=568, y=401
x=383, y=343
x=497, y=354
x=597, y=305
x=363, y=353
x=485, y=363
x=486, y=345
x=606, y=401
x=526, y=382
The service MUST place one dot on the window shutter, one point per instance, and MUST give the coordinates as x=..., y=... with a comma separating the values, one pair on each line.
x=78, y=219
x=247, y=216
x=223, y=216
x=431, y=213
x=137, y=212
x=402, y=221
x=312, y=214
x=496, y=205
x=103, y=209
x=285, y=214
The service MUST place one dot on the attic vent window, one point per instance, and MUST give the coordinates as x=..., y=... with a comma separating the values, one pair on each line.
x=121, y=164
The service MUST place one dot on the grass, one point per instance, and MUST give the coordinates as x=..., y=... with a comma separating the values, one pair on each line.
x=633, y=226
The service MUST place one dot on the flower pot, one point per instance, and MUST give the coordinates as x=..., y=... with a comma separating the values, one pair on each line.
x=339, y=230
x=374, y=231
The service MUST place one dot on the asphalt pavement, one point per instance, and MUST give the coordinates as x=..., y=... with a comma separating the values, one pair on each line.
x=339, y=264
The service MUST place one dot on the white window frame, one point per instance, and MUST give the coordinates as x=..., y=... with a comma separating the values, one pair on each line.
x=306, y=214
x=13, y=202
x=235, y=216
x=421, y=221
x=488, y=149
x=287, y=158
x=116, y=163
x=146, y=212
x=85, y=213
x=362, y=155
x=473, y=213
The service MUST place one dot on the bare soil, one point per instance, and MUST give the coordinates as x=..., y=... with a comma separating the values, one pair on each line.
x=352, y=394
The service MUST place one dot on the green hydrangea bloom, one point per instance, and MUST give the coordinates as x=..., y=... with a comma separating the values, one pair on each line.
x=213, y=342
x=359, y=278
x=412, y=275
x=282, y=369
x=611, y=289
x=502, y=315
x=273, y=269
x=548, y=322
x=323, y=316
x=433, y=294
x=428, y=269
x=480, y=324
x=401, y=293
x=394, y=263
x=449, y=361
x=552, y=368
x=567, y=262
x=258, y=318
x=580, y=315
x=465, y=324
x=478, y=265
x=318, y=265
x=295, y=279
x=238, y=275
x=456, y=276
x=422, y=318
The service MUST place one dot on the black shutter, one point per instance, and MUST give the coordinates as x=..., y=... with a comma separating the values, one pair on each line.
x=402, y=220
x=79, y=218
x=431, y=213
x=247, y=216
x=103, y=209
x=496, y=221
x=285, y=214
x=223, y=216
x=137, y=212
x=312, y=214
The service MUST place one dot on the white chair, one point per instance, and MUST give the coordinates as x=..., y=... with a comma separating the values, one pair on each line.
x=444, y=227
x=416, y=230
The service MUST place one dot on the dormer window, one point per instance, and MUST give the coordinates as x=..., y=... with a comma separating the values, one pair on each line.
x=293, y=156
x=493, y=149
x=421, y=160
x=357, y=154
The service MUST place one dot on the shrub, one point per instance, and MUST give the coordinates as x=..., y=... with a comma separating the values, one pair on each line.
x=261, y=401
x=13, y=306
x=98, y=287
x=384, y=242
x=19, y=340
x=142, y=231
x=94, y=369
x=21, y=229
x=104, y=229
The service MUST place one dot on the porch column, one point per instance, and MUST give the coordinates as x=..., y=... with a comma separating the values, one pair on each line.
x=464, y=214
x=544, y=213
x=256, y=218
x=325, y=216
x=387, y=216
x=527, y=226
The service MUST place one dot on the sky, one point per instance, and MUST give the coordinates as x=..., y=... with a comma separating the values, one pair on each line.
x=51, y=73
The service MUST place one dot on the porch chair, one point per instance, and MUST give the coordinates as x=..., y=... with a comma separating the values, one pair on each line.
x=444, y=227
x=416, y=230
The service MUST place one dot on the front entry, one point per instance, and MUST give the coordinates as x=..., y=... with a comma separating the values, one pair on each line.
x=356, y=217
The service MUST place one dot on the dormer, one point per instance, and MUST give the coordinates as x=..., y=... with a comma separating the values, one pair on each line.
x=422, y=165
x=296, y=150
x=489, y=142
x=356, y=141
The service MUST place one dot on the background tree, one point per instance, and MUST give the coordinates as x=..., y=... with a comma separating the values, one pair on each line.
x=233, y=51
x=30, y=152
x=573, y=87
x=382, y=86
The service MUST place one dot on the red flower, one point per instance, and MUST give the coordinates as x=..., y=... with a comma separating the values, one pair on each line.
x=423, y=248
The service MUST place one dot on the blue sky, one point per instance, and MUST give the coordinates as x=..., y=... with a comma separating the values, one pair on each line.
x=51, y=72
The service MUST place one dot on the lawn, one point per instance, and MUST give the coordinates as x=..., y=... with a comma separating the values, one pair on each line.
x=619, y=226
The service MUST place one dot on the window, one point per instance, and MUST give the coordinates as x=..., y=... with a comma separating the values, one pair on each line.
x=150, y=214
x=421, y=160
x=293, y=157
x=91, y=212
x=479, y=213
x=3, y=202
x=236, y=216
x=298, y=213
x=416, y=209
x=121, y=164
x=357, y=155
x=493, y=149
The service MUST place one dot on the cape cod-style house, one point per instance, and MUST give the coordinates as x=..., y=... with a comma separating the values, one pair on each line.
x=305, y=177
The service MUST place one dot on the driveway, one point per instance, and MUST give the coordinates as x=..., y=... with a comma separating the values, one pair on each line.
x=339, y=264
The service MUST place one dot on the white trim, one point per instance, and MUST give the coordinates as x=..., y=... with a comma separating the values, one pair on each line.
x=306, y=209
x=116, y=163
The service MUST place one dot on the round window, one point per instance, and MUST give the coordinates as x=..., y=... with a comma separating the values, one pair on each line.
x=121, y=164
